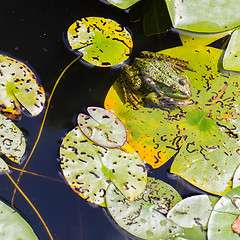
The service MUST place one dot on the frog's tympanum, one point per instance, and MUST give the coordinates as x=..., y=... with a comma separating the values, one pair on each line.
x=160, y=76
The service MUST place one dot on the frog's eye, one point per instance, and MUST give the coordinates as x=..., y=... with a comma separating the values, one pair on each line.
x=175, y=88
x=183, y=82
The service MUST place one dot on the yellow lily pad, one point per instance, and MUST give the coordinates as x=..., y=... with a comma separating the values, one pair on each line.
x=206, y=131
x=103, y=42
x=19, y=89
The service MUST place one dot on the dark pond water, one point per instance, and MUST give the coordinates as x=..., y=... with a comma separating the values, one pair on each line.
x=33, y=31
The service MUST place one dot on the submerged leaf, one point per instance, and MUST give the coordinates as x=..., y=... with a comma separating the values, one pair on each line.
x=19, y=89
x=141, y=217
x=13, y=226
x=102, y=127
x=206, y=131
x=210, y=16
x=224, y=215
x=103, y=42
x=12, y=141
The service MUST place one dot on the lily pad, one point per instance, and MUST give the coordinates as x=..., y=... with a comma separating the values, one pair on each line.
x=13, y=226
x=210, y=16
x=232, y=54
x=19, y=89
x=102, y=127
x=236, y=178
x=141, y=217
x=123, y=4
x=103, y=42
x=224, y=214
x=89, y=168
x=3, y=165
x=193, y=212
x=12, y=141
x=206, y=131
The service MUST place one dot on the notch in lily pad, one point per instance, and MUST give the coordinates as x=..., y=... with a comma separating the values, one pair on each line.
x=20, y=90
x=102, y=127
x=102, y=42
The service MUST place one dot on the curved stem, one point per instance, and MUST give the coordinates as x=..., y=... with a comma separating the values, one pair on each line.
x=30, y=203
x=42, y=125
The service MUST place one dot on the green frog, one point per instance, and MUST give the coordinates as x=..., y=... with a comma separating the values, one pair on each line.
x=162, y=77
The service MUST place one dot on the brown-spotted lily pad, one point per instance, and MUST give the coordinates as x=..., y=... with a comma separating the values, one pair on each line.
x=89, y=168
x=102, y=127
x=142, y=217
x=12, y=141
x=103, y=42
x=206, y=131
x=19, y=89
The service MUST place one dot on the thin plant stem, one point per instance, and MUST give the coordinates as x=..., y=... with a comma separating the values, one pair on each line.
x=30, y=203
x=43, y=122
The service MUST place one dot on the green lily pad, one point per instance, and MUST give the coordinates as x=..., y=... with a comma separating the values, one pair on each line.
x=141, y=217
x=123, y=4
x=12, y=141
x=210, y=16
x=13, y=226
x=236, y=178
x=232, y=54
x=103, y=42
x=193, y=212
x=19, y=89
x=206, y=131
x=89, y=168
x=224, y=214
x=102, y=127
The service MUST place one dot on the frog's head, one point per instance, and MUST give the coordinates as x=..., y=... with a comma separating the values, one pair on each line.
x=180, y=89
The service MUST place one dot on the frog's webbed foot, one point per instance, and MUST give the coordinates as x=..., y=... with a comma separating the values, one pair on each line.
x=179, y=64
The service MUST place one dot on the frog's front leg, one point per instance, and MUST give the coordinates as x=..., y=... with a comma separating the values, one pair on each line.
x=130, y=82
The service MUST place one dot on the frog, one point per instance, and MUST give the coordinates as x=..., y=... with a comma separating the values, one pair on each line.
x=161, y=75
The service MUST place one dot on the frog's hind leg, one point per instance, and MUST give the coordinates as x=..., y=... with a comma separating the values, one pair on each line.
x=129, y=95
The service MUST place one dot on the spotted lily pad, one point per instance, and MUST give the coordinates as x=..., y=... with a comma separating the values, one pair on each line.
x=206, y=131
x=212, y=16
x=141, y=217
x=12, y=141
x=89, y=168
x=102, y=127
x=193, y=212
x=19, y=89
x=13, y=226
x=224, y=214
x=103, y=42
